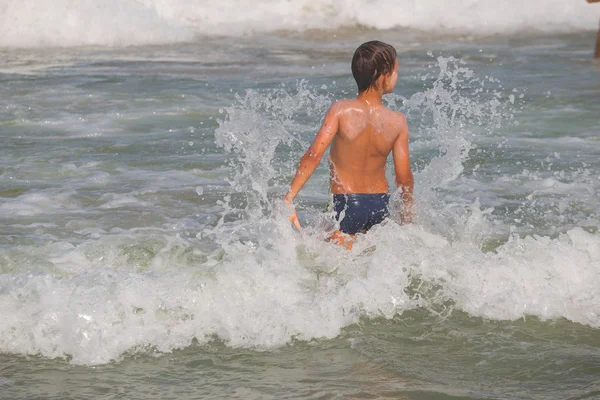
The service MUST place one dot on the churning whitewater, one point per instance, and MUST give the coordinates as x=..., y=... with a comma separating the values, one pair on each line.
x=32, y=23
x=234, y=270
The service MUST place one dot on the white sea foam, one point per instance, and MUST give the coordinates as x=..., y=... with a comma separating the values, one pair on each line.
x=112, y=200
x=262, y=295
x=41, y=202
x=32, y=23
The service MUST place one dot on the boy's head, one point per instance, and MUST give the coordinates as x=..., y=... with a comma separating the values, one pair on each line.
x=370, y=61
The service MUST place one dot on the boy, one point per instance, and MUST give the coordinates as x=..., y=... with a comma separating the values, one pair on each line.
x=597, y=54
x=362, y=133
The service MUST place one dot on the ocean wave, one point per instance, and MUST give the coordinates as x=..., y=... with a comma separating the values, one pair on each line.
x=101, y=300
x=32, y=23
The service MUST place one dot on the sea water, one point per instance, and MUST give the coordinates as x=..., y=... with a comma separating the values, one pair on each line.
x=145, y=251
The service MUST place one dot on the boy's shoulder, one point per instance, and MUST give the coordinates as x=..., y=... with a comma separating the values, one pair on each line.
x=394, y=118
x=345, y=104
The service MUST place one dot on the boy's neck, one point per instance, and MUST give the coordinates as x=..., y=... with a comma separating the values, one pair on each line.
x=371, y=96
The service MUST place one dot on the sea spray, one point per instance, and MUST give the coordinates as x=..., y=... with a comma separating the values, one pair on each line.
x=256, y=126
x=249, y=280
x=459, y=111
x=261, y=129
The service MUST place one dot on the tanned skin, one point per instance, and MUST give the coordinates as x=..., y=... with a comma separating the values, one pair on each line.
x=597, y=54
x=362, y=133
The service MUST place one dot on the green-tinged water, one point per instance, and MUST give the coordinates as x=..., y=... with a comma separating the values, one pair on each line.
x=414, y=356
x=141, y=256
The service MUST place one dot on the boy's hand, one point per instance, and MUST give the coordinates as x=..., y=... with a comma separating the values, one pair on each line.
x=294, y=217
x=406, y=215
x=406, y=218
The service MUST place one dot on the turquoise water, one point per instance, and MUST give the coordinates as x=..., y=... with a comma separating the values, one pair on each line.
x=140, y=256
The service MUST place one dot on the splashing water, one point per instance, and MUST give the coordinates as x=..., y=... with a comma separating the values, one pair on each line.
x=451, y=114
x=252, y=281
x=443, y=253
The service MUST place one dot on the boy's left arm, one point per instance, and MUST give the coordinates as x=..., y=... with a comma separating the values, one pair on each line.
x=404, y=175
x=311, y=159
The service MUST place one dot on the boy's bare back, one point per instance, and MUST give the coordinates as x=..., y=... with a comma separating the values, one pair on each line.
x=362, y=132
x=365, y=137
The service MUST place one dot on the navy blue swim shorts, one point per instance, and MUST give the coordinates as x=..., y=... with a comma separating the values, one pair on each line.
x=358, y=212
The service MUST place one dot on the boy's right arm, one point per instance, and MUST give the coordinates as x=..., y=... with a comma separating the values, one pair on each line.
x=311, y=159
x=404, y=175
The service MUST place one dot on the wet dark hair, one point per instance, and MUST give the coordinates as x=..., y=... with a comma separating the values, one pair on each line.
x=370, y=61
